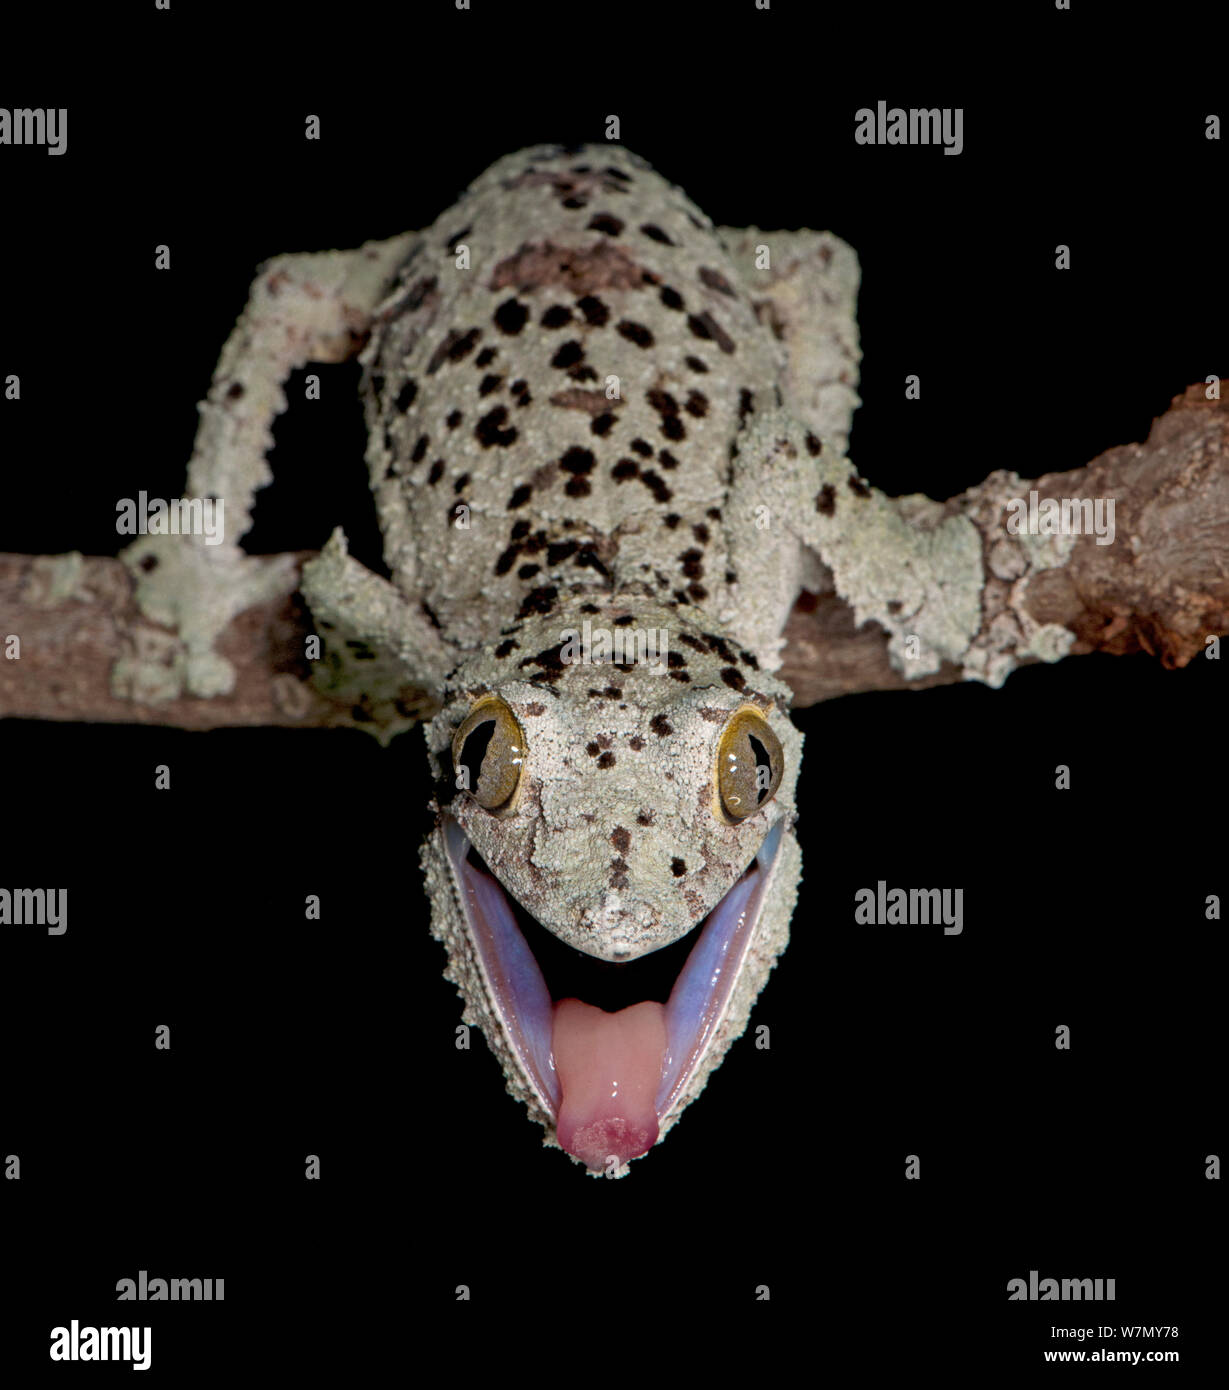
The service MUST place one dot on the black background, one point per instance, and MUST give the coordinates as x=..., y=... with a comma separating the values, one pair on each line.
x=1082, y=907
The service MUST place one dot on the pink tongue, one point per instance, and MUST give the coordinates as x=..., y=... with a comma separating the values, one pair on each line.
x=609, y=1068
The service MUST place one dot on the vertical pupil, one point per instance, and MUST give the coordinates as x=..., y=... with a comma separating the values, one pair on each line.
x=473, y=751
x=760, y=753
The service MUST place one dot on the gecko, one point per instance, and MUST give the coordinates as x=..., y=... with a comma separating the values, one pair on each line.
x=606, y=445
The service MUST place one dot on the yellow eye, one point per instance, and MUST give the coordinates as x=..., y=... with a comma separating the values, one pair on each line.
x=749, y=764
x=488, y=753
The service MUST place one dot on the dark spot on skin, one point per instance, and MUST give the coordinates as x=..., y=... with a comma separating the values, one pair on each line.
x=422, y=288
x=235, y=390
x=539, y=601
x=617, y=174
x=718, y=644
x=671, y=298
x=694, y=643
x=623, y=470
x=825, y=500
x=602, y=424
x=679, y=676
x=586, y=558
x=671, y=520
x=713, y=513
x=592, y=749
x=675, y=659
x=150, y=562
x=700, y=532
x=613, y=692
x=606, y=760
x=731, y=577
x=488, y=384
x=618, y=870
x=648, y=278
x=643, y=448
x=420, y=449
x=667, y=459
x=454, y=348
x=461, y=483
x=520, y=496
x=520, y=530
x=556, y=316
x=696, y=404
x=746, y=404
x=661, y=726
x=705, y=326
x=621, y=839
x=750, y=658
x=489, y=430
x=673, y=428
x=692, y=562
x=405, y=397
x=574, y=202
x=510, y=316
x=662, y=402
x=454, y=419
x=813, y=445
x=550, y=660
x=583, y=373
x=560, y=551
x=605, y=222
x=528, y=571
x=655, y=233
x=451, y=243
x=624, y=620
x=716, y=281
x=657, y=486
x=697, y=593
x=858, y=487
x=535, y=708
x=485, y=357
x=635, y=743
x=578, y=487
x=678, y=867
x=436, y=473
x=644, y=818
x=508, y=645
x=595, y=312
x=577, y=460
x=520, y=387
x=733, y=678
x=635, y=333
x=568, y=355
x=697, y=364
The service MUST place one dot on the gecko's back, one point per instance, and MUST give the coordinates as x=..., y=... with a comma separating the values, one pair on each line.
x=553, y=387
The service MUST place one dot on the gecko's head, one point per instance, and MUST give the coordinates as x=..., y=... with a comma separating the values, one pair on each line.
x=611, y=814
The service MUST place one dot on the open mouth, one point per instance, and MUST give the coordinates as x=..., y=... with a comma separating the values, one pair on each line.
x=608, y=1047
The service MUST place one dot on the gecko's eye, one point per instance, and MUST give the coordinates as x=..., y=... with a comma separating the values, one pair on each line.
x=488, y=752
x=749, y=764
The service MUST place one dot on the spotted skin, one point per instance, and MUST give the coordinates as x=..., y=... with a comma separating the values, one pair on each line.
x=586, y=405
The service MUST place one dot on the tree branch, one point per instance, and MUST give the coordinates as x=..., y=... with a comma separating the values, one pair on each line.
x=88, y=652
